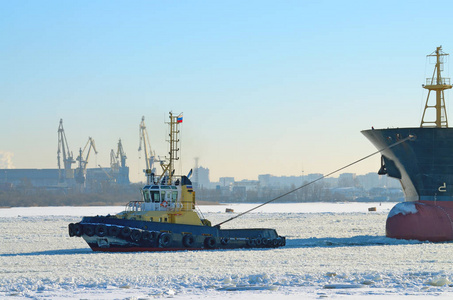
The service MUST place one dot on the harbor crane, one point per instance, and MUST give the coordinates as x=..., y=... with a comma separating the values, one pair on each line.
x=118, y=159
x=149, y=154
x=121, y=155
x=68, y=159
x=80, y=174
x=114, y=163
x=118, y=165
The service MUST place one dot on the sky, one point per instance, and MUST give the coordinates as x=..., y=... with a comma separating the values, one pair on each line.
x=265, y=87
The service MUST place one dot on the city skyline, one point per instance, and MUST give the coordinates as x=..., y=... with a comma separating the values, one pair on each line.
x=265, y=87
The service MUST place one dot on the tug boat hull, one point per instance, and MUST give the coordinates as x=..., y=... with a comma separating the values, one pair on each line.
x=109, y=234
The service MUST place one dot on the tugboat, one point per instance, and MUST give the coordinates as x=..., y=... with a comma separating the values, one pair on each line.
x=424, y=166
x=166, y=218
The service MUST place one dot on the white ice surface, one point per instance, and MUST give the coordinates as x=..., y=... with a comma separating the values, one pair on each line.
x=336, y=251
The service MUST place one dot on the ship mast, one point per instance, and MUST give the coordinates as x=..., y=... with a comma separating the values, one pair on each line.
x=438, y=84
x=168, y=169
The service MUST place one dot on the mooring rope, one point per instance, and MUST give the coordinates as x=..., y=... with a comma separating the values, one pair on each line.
x=410, y=137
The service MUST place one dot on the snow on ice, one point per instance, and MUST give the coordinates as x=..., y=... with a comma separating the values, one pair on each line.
x=333, y=251
x=403, y=208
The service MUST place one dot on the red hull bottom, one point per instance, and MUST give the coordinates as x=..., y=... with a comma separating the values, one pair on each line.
x=421, y=220
x=140, y=249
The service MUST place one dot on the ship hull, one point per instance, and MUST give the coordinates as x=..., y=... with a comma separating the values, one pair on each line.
x=110, y=234
x=421, y=220
x=424, y=166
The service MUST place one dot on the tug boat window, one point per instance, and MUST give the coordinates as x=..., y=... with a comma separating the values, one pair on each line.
x=174, y=197
x=155, y=196
x=146, y=196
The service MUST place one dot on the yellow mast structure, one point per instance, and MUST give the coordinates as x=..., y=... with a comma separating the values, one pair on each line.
x=168, y=169
x=438, y=84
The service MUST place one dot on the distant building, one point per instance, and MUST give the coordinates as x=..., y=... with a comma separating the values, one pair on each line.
x=369, y=181
x=226, y=181
x=346, y=180
x=248, y=185
x=51, y=179
x=203, y=178
x=30, y=177
x=265, y=179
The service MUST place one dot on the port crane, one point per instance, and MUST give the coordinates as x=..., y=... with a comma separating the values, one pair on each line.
x=80, y=174
x=114, y=163
x=121, y=155
x=149, y=154
x=68, y=159
x=118, y=167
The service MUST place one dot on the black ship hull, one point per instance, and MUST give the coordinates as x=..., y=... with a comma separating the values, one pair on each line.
x=424, y=164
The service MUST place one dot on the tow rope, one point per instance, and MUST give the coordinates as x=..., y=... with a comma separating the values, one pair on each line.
x=410, y=137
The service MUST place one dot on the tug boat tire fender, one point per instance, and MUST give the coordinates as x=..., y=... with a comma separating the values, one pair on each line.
x=283, y=241
x=71, y=229
x=154, y=235
x=125, y=232
x=114, y=231
x=88, y=230
x=77, y=229
x=136, y=235
x=164, y=239
x=251, y=242
x=188, y=240
x=150, y=237
x=146, y=236
x=209, y=242
x=100, y=230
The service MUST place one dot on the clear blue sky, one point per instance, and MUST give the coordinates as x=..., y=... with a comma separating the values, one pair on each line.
x=275, y=87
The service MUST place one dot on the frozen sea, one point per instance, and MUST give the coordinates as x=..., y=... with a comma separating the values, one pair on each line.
x=334, y=251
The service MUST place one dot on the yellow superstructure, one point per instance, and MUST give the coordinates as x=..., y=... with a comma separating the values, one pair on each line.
x=169, y=204
x=167, y=198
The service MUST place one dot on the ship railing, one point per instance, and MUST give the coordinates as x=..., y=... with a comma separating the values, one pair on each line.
x=135, y=206
x=434, y=81
x=173, y=206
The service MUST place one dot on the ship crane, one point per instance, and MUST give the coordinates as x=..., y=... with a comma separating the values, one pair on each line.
x=68, y=159
x=80, y=175
x=149, y=154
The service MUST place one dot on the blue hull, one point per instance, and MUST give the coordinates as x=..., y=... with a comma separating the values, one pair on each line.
x=109, y=234
x=424, y=165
